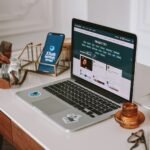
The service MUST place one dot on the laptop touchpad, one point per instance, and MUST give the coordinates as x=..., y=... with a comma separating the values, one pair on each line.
x=50, y=106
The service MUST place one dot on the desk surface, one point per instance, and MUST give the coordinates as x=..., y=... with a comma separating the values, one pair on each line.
x=106, y=135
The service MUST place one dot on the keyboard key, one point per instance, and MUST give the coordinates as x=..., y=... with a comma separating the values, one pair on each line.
x=81, y=98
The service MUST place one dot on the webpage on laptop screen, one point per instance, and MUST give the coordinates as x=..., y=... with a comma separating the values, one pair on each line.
x=104, y=59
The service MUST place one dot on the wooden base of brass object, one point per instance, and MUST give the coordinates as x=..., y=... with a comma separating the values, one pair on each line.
x=129, y=117
x=129, y=122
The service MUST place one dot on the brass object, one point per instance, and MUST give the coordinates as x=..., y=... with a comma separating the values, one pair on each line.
x=6, y=48
x=129, y=117
x=5, y=54
x=31, y=54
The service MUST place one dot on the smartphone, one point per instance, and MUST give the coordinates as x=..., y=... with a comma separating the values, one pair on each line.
x=51, y=51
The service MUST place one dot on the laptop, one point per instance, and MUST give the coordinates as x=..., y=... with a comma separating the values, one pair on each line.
x=102, y=76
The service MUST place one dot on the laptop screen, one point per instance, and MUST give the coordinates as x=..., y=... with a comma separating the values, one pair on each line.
x=104, y=57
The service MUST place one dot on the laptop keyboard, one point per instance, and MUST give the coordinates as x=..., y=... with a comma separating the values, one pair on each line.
x=81, y=98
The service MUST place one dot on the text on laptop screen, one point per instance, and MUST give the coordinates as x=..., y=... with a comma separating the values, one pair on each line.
x=103, y=58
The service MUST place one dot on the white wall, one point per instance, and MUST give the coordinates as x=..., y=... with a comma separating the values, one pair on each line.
x=112, y=13
x=141, y=26
x=68, y=9
x=128, y=15
x=24, y=21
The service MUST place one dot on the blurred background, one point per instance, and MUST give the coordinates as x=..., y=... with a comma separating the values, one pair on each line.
x=24, y=21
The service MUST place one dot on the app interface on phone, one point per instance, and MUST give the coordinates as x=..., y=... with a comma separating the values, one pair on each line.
x=51, y=50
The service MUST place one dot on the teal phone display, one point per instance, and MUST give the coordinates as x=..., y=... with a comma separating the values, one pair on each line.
x=51, y=52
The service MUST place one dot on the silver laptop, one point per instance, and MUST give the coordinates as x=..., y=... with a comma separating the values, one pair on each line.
x=102, y=73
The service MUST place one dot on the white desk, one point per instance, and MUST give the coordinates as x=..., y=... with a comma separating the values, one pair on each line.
x=107, y=135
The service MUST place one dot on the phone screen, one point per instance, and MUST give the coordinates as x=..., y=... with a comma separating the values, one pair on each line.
x=51, y=51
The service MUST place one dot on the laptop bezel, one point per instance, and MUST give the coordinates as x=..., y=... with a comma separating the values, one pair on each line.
x=91, y=86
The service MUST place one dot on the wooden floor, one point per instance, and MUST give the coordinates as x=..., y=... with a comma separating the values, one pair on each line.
x=6, y=146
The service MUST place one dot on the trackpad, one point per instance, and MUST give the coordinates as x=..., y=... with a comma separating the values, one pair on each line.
x=50, y=106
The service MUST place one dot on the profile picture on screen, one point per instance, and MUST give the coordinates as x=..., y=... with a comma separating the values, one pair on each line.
x=86, y=63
